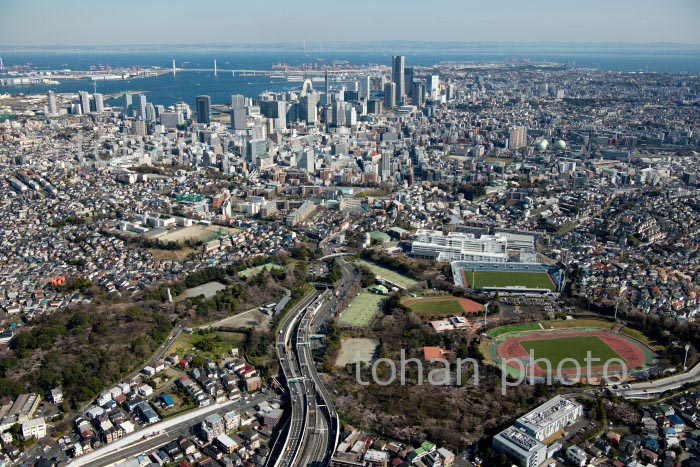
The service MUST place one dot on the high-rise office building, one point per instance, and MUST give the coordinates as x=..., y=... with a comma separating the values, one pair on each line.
x=237, y=101
x=433, y=86
x=139, y=128
x=350, y=116
x=408, y=80
x=374, y=106
x=184, y=108
x=204, y=109
x=350, y=96
x=141, y=105
x=307, y=161
x=99, y=102
x=389, y=95
x=239, y=119
x=339, y=113
x=276, y=110
x=397, y=77
x=386, y=165
x=307, y=108
x=53, y=109
x=171, y=119
x=365, y=88
x=84, y=101
x=418, y=94
x=517, y=137
x=128, y=104
x=150, y=113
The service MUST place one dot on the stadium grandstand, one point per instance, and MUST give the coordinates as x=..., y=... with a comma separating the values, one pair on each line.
x=509, y=278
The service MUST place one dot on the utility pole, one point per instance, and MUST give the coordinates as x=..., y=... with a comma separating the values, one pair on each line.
x=685, y=360
x=486, y=313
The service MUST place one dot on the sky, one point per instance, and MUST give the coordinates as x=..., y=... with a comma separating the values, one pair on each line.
x=102, y=22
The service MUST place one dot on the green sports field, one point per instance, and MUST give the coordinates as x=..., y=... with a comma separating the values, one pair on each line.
x=495, y=332
x=436, y=307
x=392, y=276
x=531, y=280
x=555, y=350
x=362, y=310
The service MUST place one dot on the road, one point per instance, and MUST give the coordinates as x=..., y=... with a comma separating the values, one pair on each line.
x=286, y=354
x=647, y=389
x=314, y=426
x=134, y=444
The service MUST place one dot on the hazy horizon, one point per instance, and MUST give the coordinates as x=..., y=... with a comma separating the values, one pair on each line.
x=43, y=23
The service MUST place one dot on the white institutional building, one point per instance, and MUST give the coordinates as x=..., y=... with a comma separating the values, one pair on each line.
x=456, y=246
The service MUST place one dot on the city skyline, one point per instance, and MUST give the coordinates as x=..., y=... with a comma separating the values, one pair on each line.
x=184, y=23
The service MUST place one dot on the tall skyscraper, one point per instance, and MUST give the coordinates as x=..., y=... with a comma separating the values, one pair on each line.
x=339, y=113
x=374, y=106
x=99, y=102
x=141, y=102
x=408, y=80
x=53, y=109
x=517, y=137
x=128, y=104
x=365, y=88
x=307, y=108
x=150, y=113
x=237, y=101
x=238, y=119
x=84, y=101
x=418, y=94
x=307, y=161
x=389, y=95
x=397, y=77
x=204, y=109
x=433, y=86
x=386, y=165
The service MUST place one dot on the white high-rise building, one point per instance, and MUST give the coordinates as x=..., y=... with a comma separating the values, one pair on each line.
x=433, y=86
x=53, y=109
x=150, y=113
x=141, y=105
x=99, y=102
x=84, y=101
x=350, y=116
x=365, y=88
x=307, y=161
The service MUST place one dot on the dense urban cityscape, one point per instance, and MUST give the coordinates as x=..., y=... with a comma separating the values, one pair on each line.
x=348, y=262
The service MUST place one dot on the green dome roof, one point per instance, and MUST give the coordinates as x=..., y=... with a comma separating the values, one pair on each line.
x=560, y=144
x=542, y=145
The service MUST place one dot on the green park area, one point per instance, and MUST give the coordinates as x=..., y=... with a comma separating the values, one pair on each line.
x=210, y=344
x=257, y=269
